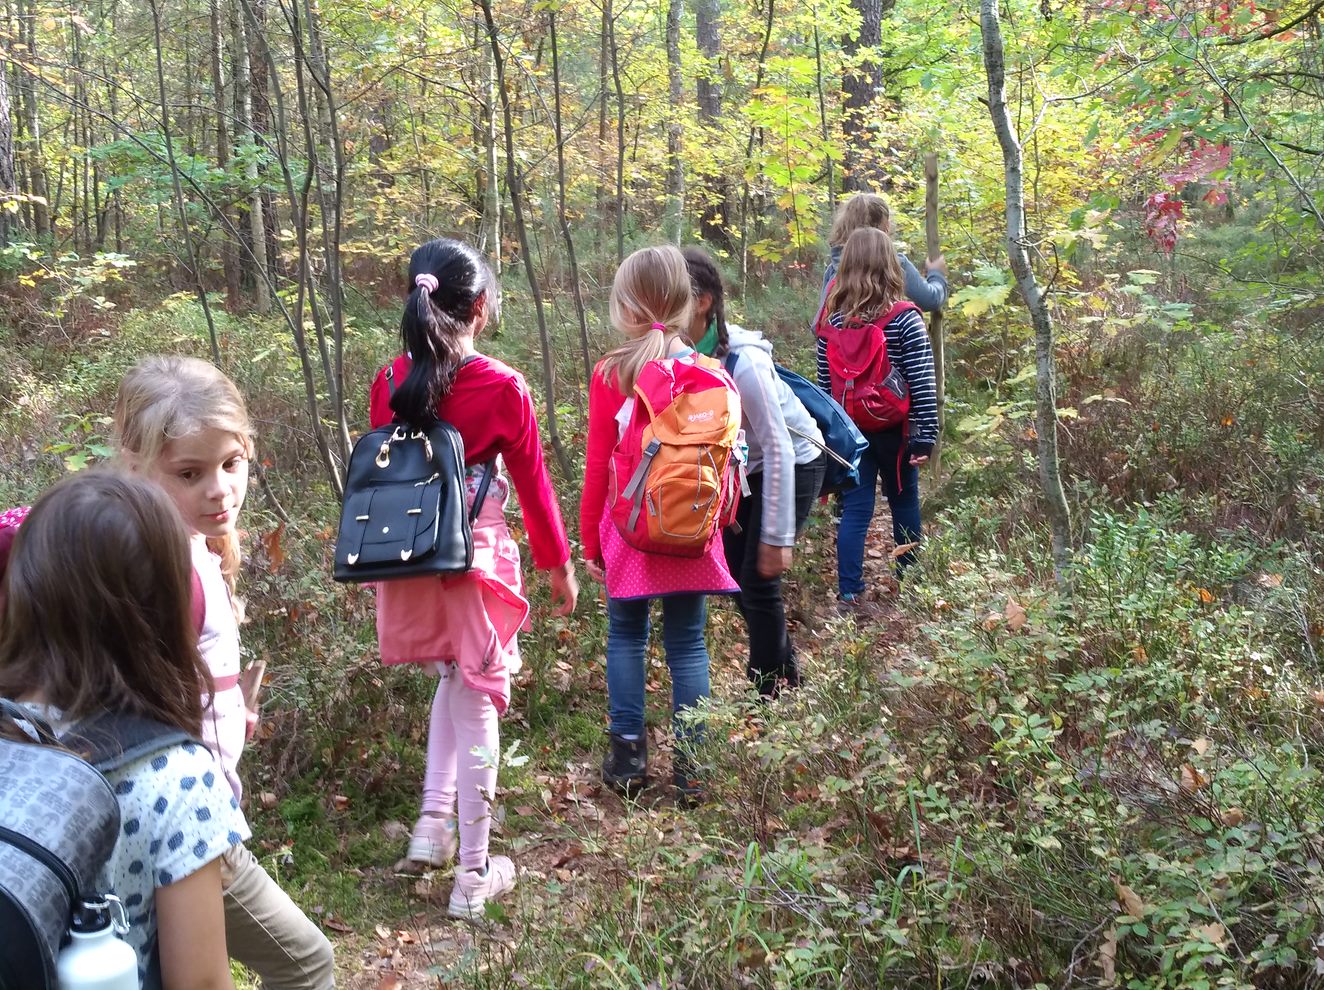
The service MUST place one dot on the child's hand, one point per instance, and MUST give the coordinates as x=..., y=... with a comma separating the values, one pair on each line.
x=917, y=459
x=565, y=589
x=938, y=264
x=251, y=717
x=773, y=561
x=595, y=571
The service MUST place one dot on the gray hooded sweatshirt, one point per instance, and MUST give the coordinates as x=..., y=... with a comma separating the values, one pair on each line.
x=778, y=428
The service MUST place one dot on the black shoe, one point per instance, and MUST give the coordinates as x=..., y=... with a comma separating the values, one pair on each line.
x=625, y=767
x=689, y=788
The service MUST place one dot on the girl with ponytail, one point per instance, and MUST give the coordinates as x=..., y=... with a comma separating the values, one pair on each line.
x=463, y=629
x=651, y=308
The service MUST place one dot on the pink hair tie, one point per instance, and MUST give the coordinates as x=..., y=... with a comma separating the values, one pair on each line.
x=659, y=326
x=427, y=281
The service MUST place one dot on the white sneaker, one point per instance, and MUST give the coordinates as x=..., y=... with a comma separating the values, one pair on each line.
x=473, y=889
x=433, y=842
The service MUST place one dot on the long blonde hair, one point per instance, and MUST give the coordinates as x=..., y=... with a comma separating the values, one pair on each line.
x=861, y=210
x=165, y=397
x=869, y=278
x=650, y=306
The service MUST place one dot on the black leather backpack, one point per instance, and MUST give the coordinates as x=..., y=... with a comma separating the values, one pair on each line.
x=403, y=513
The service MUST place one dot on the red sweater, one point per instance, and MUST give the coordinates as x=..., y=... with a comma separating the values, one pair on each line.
x=491, y=407
x=604, y=402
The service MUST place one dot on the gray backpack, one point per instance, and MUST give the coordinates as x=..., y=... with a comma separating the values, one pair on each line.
x=59, y=821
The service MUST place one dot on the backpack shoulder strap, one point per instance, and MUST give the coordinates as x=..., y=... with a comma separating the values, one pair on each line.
x=732, y=356
x=898, y=308
x=112, y=740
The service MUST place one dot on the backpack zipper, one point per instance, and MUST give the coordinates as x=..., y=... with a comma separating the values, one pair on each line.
x=46, y=858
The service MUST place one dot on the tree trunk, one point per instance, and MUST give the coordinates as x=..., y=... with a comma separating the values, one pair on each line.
x=823, y=118
x=36, y=165
x=491, y=236
x=936, y=336
x=560, y=202
x=178, y=187
x=247, y=67
x=604, y=72
x=708, y=96
x=229, y=263
x=862, y=82
x=515, y=186
x=749, y=154
x=620, y=139
x=8, y=178
x=675, y=126
x=1050, y=474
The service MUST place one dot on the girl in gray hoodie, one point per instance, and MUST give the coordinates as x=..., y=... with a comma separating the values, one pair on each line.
x=785, y=467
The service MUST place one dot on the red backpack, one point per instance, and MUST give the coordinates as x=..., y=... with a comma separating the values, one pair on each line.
x=869, y=387
x=678, y=471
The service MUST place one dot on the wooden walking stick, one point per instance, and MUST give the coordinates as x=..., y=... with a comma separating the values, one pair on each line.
x=935, y=319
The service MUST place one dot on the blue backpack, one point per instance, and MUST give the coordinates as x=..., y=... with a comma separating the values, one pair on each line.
x=843, y=443
x=842, y=440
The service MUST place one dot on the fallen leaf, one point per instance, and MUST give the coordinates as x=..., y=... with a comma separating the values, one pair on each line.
x=1202, y=746
x=383, y=933
x=340, y=802
x=395, y=831
x=901, y=550
x=1212, y=932
x=1108, y=957
x=1270, y=580
x=336, y=925
x=1232, y=817
x=1192, y=779
x=1129, y=899
x=1015, y=614
x=271, y=541
x=992, y=621
x=1319, y=697
x=389, y=981
x=1138, y=654
x=1205, y=594
x=268, y=799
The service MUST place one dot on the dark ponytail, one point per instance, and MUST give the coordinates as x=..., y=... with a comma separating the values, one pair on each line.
x=704, y=277
x=434, y=321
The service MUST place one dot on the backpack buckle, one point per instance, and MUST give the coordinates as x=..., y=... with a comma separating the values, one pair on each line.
x=383, y=458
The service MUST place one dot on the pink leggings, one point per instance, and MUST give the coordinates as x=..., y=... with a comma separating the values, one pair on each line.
x=463, y=720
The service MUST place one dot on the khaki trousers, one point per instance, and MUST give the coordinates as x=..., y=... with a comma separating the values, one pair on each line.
x=267, y=932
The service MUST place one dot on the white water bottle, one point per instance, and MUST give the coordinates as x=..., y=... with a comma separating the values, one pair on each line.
x=96, y=958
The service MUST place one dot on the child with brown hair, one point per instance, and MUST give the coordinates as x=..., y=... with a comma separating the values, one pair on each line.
x=866, y=297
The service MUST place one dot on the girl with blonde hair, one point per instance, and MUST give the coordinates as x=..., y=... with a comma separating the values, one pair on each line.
x=651, y=308
x=182, y=423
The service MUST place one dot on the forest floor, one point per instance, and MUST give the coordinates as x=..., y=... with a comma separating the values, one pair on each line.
x=572, y=834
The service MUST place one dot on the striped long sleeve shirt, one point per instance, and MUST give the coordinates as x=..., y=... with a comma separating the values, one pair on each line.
x=909, y=350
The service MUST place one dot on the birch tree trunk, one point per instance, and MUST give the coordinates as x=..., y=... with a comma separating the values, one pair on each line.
x=620, y=138
x=515, y=186
x=1050, y=473
x=675, y=126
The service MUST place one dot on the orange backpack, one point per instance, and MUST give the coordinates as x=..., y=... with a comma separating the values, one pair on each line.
x=678, y=470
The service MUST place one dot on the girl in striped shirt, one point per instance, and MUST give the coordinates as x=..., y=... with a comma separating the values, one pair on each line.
x=868, y=284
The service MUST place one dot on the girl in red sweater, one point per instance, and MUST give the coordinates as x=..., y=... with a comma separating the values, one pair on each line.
x=463, y=628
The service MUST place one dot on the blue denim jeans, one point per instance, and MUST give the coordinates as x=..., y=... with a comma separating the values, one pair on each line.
x=683, y=620
x=885, y=460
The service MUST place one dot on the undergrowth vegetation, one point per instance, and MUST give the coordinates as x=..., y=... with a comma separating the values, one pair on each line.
x=995, y=783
